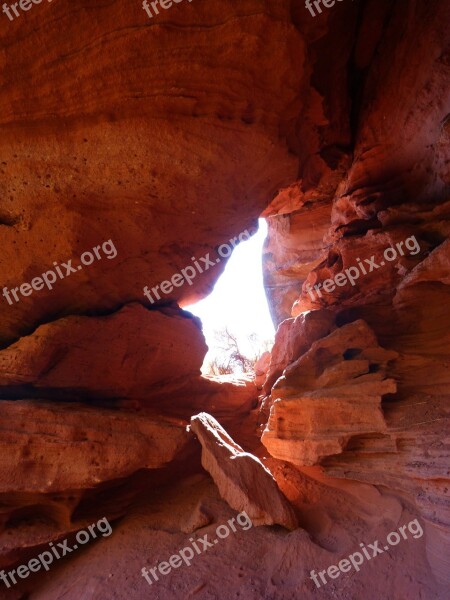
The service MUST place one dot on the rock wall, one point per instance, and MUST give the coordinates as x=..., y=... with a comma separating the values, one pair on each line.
x=148, y=143
x=394, y=195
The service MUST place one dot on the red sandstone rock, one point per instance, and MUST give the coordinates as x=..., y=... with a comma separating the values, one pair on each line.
x=133, y=354
x=261, y=367
x=242, y=479
x=396, y=187
x=169, y=137
x=52, y=447
x=53, y=456
x=293, y=338
x=329, y=394
x=135, y=147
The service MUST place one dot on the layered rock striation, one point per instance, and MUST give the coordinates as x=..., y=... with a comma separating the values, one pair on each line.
x=167, y=137
x=243, y=481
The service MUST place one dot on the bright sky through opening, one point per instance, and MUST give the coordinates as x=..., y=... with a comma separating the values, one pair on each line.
x=238, y=301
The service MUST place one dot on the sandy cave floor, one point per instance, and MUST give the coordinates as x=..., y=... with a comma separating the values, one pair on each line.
x=259, y=563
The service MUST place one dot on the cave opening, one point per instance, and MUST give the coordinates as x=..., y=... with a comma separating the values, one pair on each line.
x=236, y=320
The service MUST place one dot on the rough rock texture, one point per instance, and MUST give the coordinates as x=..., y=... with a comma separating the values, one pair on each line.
x=329, y=395
x=133, y=354
x=137, y=358
x=45, y=449
x=397, y=188
x=143, y=138
x=242, y=479
x=293, y=248
x=52, y=454
x=261, y=367
x=293, y=338
x=169, y=136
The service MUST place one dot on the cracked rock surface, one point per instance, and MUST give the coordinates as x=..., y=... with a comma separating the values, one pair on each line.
x=165, y=138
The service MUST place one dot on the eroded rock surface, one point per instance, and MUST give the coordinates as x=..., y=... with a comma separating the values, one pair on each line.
x=130, y=354
x=331, y=393
x=45, y=449
x=395, y=194
x=52, y=456
x=168, y=137
x=242, y=479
